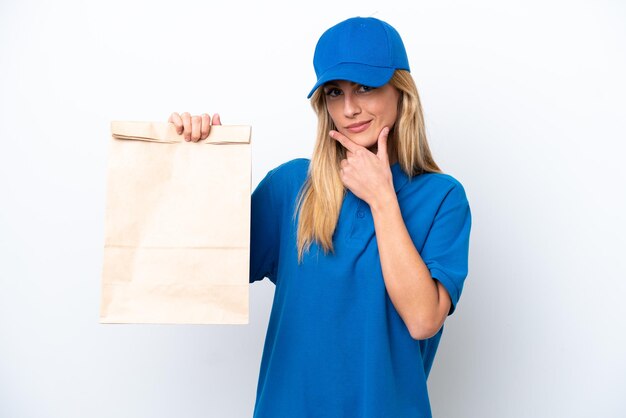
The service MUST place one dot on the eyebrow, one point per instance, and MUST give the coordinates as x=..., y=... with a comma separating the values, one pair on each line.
x=334, y=84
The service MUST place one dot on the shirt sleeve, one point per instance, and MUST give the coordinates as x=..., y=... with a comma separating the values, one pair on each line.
x=264, y=231
x=446, y=248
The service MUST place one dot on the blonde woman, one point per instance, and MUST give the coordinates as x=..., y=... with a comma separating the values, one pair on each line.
x=367, y=243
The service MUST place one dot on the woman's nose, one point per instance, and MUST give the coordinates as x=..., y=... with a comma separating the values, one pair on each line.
x=351, y=106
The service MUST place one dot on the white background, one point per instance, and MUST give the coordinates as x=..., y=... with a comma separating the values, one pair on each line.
x=524, y=103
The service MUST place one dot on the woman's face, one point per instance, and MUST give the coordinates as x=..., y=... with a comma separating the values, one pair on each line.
x=360, y=112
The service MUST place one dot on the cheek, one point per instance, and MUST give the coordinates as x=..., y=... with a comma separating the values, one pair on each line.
x=388, y=115
x=333, y=112
x=390, y=112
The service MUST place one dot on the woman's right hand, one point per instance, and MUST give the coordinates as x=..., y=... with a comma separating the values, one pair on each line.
x=194, y=128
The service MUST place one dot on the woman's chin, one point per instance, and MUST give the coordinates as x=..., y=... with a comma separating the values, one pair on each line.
x=363, y=139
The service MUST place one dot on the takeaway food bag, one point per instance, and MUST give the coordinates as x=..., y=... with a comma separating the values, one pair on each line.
x=177, y=226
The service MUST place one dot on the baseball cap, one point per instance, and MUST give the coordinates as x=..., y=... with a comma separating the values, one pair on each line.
x=363, y=50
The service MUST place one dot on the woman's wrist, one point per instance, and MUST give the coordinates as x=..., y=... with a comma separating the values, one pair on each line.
x=384, y=202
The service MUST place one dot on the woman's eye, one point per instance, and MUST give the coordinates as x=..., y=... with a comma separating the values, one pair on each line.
x=365, y=89
x=333, y=92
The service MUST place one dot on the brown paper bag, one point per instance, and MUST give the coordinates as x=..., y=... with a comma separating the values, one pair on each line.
x=177, y=228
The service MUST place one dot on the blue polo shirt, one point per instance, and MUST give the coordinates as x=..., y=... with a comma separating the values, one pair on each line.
x=336, y=346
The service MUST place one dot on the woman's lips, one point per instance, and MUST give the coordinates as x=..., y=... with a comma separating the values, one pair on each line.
x=355, y=128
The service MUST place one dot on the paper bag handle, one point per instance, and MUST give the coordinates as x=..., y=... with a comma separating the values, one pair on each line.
x=166, y=132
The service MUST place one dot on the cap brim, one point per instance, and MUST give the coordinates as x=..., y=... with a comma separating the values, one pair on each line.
x=356, y=73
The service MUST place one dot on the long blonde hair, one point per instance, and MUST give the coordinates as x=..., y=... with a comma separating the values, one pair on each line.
x=321, y=197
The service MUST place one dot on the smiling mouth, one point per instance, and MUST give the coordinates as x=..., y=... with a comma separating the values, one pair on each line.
x=358, y=127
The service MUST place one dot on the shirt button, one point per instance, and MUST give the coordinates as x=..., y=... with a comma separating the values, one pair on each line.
x=360, y=214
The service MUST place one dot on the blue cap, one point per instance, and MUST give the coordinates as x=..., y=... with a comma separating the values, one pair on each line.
x=363, y=50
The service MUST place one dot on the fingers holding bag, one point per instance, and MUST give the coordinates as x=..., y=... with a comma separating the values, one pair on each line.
x=196, y=127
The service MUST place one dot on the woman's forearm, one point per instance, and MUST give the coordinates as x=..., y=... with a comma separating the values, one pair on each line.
x=423, y=303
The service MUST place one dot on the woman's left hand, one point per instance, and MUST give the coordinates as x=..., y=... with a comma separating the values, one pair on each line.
x=366, y=174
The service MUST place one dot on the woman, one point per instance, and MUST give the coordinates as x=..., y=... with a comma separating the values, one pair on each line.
x=367, y=243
